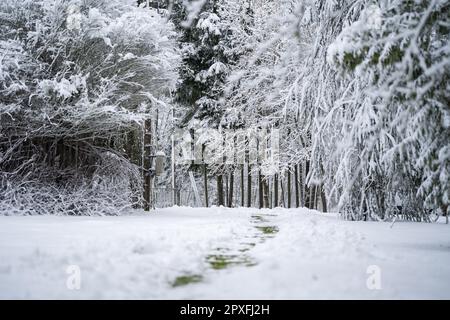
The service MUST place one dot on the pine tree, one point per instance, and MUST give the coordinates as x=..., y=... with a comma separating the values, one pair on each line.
x=204, y=65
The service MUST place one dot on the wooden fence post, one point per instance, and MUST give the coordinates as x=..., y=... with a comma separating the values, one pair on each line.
x=275, y=190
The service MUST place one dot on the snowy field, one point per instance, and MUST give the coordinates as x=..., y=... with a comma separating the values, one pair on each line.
x=218, y=253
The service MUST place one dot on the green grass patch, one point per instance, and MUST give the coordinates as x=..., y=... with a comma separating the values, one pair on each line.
x=267, y=229
x=187, y=279
x=221, y=261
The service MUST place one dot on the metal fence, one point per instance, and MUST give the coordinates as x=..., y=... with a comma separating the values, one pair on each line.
x=163, y=197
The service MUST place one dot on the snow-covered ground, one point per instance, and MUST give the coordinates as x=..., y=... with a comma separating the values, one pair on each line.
x=219, y=253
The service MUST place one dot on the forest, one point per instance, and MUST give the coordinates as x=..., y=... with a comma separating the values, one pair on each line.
x=338, y=106
x=225, y=149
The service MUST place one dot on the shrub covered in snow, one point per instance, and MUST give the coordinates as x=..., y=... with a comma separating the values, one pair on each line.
x=77, y=79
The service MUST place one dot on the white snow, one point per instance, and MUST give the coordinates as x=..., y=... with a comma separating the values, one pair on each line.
x=140, y=255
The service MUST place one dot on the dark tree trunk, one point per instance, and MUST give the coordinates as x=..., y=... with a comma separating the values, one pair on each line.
x=220, y=190
x=205, y=183
x=283, y=198
x=266, y=192
x=249, y=187
x=296, y=184
x=147, y=164
x=260, y=190
x=275, y=190
x=226, y=190
x=301, y=185
x=231, y=190
x=307, y=194
x=312, y=197
x=249, y=175
x=242, y=186
x=289, y=195
x=324, y=200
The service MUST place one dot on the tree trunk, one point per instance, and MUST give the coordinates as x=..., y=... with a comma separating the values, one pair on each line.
x=324, y=200
x=266, y=202
x=226, y=190
x=289, y=196
x=312, y=196
x=275, y=190
x=249, y=187
x=283, y=198
x=231, y=190
x=220, y=190
x=307, y=195
x=205, y=182
x=260, y=190
x=242, y=186
x=249, y=172
x=296, y=184
x=147, y=164
x=301, y=185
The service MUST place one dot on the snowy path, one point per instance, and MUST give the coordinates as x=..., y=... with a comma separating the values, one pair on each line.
x=222, y=253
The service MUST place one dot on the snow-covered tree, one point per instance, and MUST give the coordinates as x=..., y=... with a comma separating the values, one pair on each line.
x=77, y=79
x=396, y=61
x=210, y=46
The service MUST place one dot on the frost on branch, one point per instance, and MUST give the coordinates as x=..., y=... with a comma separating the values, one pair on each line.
x=77, y=79
x=396, y=61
